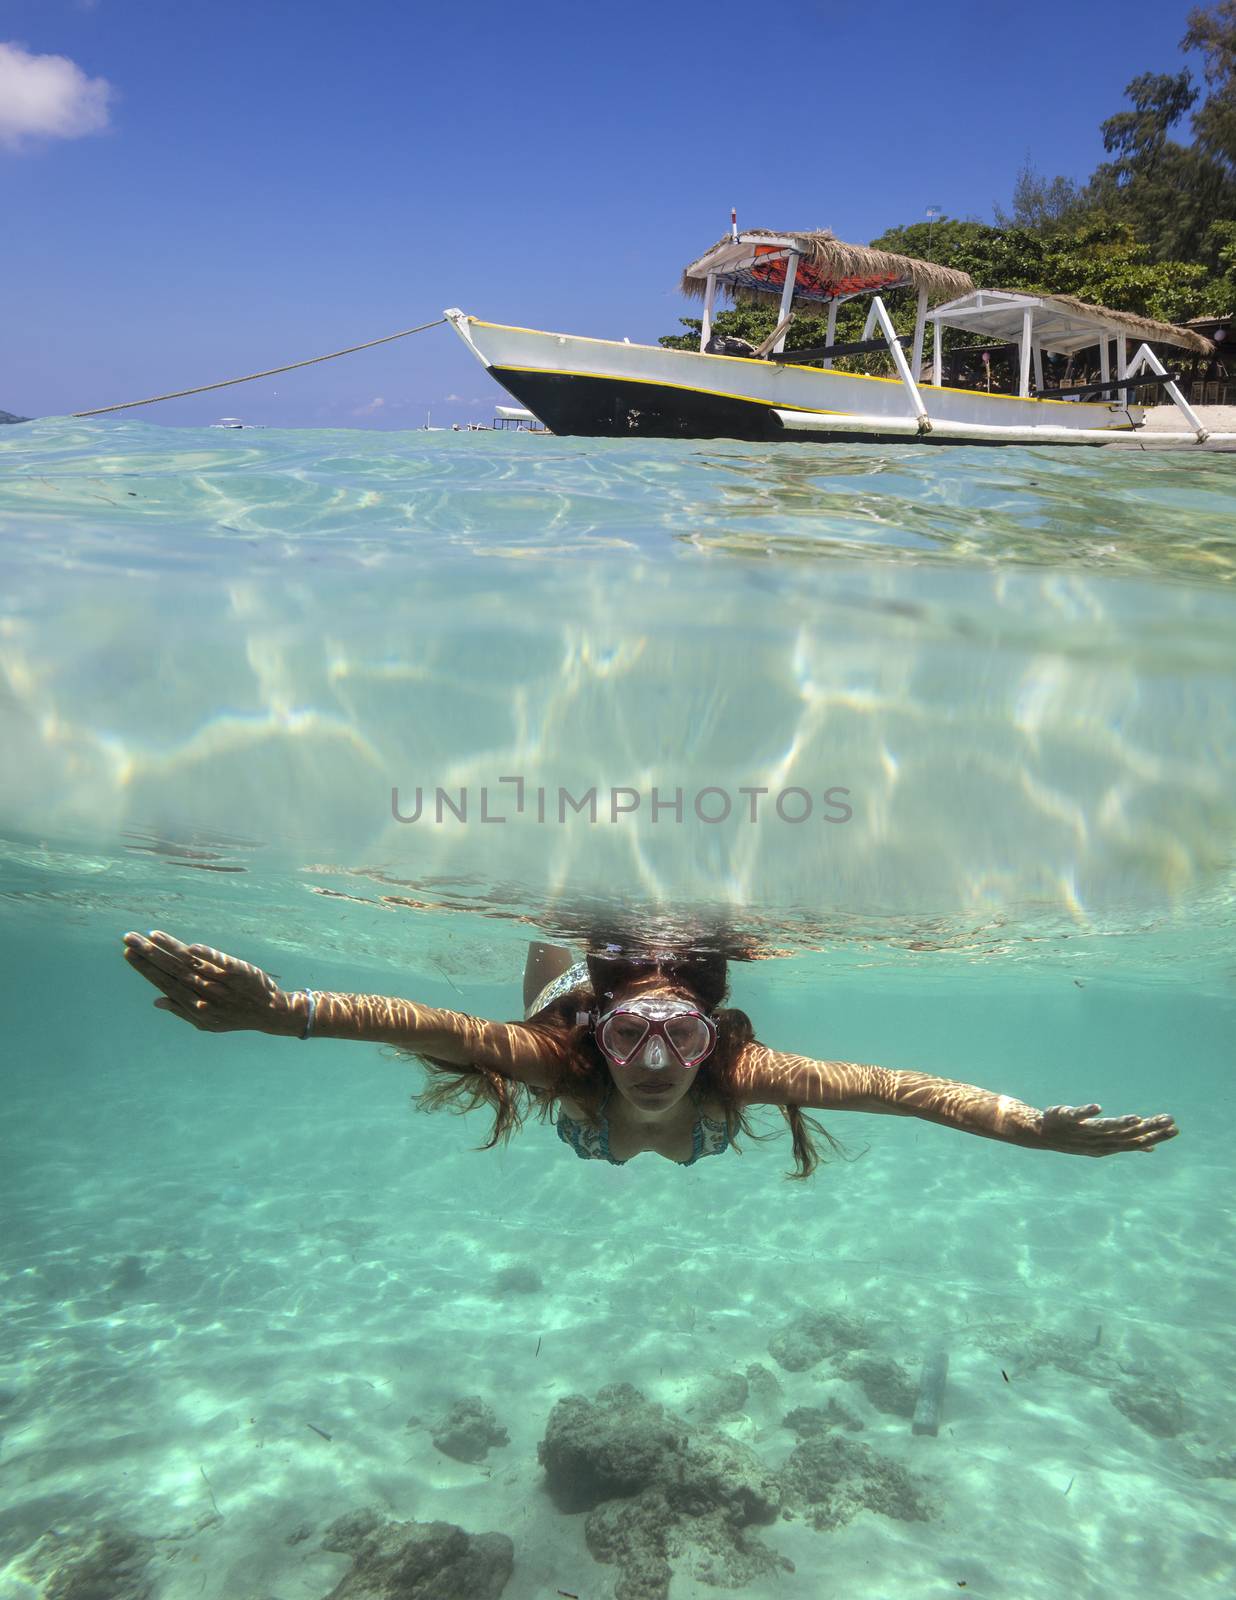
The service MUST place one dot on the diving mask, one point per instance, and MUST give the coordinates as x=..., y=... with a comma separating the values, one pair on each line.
x=623, y=1031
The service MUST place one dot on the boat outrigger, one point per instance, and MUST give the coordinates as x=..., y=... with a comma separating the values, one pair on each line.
x=605, y=387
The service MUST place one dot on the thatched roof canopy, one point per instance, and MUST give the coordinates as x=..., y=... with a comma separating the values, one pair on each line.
x=753, y=268
x=1144, y=328
x=1061, y=322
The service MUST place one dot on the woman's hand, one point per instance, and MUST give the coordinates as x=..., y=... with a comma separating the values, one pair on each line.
x=213, y=991
x=1081, y=1131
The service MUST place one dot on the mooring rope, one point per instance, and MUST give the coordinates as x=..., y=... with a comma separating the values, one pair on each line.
x=270, y=372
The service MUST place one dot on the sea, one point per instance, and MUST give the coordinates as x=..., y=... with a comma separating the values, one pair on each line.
x=938, y=745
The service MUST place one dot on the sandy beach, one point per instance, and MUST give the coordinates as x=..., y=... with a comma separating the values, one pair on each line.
x=1167, y=419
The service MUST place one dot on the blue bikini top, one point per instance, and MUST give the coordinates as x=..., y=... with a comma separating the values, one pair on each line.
x=709, y=1137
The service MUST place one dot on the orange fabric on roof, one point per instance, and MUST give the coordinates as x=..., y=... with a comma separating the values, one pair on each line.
x=771, y=275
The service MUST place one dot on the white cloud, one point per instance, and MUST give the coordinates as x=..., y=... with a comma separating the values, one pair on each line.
x=370, y=407
x=47, y=97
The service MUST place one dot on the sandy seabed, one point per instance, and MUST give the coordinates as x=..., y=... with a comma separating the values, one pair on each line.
x=240, y=1298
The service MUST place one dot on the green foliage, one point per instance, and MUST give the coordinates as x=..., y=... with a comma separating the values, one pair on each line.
x=753, y=323
x=1219, y=299
x=1099, y=261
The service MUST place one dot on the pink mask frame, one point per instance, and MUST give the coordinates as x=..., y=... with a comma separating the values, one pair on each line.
x=656, y=1016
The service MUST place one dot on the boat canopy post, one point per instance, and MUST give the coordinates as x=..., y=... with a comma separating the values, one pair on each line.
x=710, y=299
x=787, y=295
x=1105, y=365
x=1146, y=357
x=830, y=337
x=937, y=351
x=1027, y=338
x=880, y=315
x=1122, y=365
x=920, y=324
x=1038, y=368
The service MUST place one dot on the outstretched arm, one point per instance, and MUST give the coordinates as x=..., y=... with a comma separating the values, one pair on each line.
x=768, y=1077
x=219, y=994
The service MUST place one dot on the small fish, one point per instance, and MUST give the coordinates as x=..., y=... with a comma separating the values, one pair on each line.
x=535, y=1354
x=1004, y=1375
x=318, y=1431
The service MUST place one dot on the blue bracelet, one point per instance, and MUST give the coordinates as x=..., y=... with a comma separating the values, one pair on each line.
x=312, y=998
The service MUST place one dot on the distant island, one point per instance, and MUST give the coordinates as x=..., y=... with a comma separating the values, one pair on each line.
x=7, y=416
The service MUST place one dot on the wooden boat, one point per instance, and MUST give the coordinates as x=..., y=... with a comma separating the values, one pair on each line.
x=605, y=387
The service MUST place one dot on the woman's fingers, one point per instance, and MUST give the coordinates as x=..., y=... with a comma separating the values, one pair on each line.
x=183, y=994
x=155, y=963
x=185, y=1013
x=218, y=958
x=163, y=960
x=163, y=947
x=161, y=951
x=1081, y=1130
x=231, y=966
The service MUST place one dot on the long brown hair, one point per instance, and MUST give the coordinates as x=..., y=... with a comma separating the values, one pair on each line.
x=584, y=1074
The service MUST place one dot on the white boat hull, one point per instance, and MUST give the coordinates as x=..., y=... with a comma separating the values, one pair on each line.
x=601, y=387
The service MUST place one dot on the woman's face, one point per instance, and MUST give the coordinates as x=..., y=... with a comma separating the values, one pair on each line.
x=654, y=1079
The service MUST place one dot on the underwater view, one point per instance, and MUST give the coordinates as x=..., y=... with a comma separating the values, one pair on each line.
x=932, y=751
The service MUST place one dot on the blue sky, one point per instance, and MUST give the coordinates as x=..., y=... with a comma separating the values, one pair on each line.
x=194, y=191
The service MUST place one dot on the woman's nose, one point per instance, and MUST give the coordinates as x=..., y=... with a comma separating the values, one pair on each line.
x=656, y=1056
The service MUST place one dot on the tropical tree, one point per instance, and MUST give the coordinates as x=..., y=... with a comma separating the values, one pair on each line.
x=1213, y=32
x=1041, y=205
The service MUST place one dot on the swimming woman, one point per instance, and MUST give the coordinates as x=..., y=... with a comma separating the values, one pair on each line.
x=632, y=1053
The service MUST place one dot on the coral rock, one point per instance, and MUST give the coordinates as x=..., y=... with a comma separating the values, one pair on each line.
x=469, y=1430
x=607, y=1450
x=418, y=1560
x=810, y=1422
x=816, y=1334
x=110, y=1564
x=661, y=1497
x=885, y=1382
x=832, y=1478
